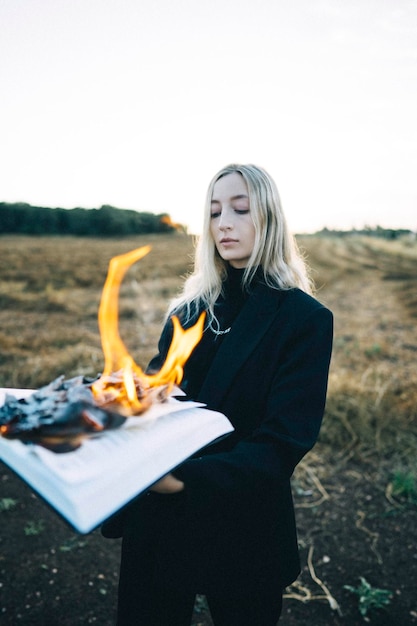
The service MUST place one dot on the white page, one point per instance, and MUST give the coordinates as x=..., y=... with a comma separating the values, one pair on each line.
x=88, y=484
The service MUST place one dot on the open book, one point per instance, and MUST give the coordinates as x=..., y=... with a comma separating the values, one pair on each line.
x=88, y=485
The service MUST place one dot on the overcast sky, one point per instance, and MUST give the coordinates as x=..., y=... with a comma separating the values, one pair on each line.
x=137, y=103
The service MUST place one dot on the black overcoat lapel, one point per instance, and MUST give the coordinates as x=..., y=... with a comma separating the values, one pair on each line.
x=248, y=329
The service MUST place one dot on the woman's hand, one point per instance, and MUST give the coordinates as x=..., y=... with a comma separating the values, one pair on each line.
x=168, y=484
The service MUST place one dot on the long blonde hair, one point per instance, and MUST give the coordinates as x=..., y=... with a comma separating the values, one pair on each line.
x=275, y=251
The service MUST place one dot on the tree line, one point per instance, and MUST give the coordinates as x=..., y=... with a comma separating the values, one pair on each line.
x=25, y=219
x=370, y=231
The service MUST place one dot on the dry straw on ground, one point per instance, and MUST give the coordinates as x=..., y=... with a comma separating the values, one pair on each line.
x=355, y=494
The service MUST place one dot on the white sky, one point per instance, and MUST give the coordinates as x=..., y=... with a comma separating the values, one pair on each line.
x=137, y=103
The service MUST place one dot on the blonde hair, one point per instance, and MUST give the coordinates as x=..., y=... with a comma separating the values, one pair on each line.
x=275, y=251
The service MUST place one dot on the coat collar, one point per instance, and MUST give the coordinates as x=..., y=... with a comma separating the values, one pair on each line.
x=248, y=329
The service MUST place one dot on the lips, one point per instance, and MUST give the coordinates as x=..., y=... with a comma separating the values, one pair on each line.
x=226, y=240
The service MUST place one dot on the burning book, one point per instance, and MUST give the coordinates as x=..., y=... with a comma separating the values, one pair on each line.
x=124, y=430
x=60, y=415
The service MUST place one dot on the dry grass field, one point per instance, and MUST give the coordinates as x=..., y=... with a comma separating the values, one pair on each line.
x=356, y=493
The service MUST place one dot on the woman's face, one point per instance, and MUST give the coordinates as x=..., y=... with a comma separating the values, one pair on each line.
x=231, y=223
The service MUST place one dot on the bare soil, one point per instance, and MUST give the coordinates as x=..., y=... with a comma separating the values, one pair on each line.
x=51, y=575
x=352, y=522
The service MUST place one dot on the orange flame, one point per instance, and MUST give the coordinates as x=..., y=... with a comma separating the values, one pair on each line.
x=123, y=384
x=166, y=219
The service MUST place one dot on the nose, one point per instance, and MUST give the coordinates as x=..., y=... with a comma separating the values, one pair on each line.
x=225, y=222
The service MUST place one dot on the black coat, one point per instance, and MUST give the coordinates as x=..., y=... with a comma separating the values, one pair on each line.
x=233, y=527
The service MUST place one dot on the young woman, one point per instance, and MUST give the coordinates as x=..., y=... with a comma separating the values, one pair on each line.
x=222, y=524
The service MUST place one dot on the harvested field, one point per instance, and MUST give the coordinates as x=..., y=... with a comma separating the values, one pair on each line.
x=356, y=493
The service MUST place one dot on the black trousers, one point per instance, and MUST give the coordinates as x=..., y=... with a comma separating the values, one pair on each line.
x=161, y=607
x=146, y=598
x=152, y=593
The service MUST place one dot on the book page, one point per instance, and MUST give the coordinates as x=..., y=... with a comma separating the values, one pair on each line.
x=139, y=436
x=137, y=441
x=109, y=469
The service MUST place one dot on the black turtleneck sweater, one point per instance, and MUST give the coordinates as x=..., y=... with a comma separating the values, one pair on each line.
x=226, y=309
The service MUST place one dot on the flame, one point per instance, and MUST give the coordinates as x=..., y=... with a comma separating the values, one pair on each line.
x=166, y=219
x=123, y=384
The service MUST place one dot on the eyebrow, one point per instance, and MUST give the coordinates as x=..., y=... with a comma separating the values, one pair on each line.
x=238, y=197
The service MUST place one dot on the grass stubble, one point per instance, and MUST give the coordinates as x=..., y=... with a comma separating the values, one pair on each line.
x=50, y=290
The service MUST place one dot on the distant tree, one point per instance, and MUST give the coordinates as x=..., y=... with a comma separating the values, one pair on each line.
x=107, y=221
x=369, y=231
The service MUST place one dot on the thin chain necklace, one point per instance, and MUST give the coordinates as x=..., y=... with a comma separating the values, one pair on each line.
x=221, y=332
